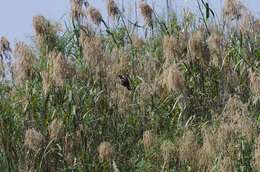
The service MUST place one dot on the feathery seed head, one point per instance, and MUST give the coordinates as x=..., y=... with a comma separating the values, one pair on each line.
x=59, y=68
x=41, y=25
x=214, y=43
x=46, y=32
x=122, y=98
x=47, y=82
x=23, y=66
x=234, y=106
x=86, y=33
x=147, y=13
x=138, y=42
x=247, y=25
x=188, y=18
x=168, y=151
x=4, y=45
x=198, y=48
x=113, y=10
x=173, y=79
x=33, y=139
x=189, y=147
x=93, y=50
x=232, y=9
x=94, y=15
x=105, y=151
x=55, y=129
x=148, y=139
x=235, y=121
x=76, y=9
x=145, y=93
x=208, y=151
x=170, y=46
x=196, y=44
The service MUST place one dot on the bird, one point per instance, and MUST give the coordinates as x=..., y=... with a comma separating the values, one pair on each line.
x=86, y=4
x=125, y=81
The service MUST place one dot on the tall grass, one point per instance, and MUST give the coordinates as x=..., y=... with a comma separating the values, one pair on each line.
x=182, y=96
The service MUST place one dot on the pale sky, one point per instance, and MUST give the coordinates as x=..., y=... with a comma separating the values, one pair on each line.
x=16, y=15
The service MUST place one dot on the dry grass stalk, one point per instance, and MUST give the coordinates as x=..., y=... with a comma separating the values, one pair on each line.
x=2, y=69
x=256, y=154
x=226, y=164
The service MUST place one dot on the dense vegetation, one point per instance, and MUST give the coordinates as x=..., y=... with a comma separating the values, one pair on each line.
x=180, y=94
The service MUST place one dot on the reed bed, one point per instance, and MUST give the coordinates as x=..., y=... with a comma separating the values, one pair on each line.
x=175, y=94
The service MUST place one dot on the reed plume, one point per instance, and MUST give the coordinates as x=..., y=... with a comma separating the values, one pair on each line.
x=33, y=139
x=148, y=139
x=215, y=43
x=23, y=68
x=4, y=45
x=105, y=151
x=46, y=32
x=55, y=129
x=76, y=10
x=112, y=8
x=94, y=15
x=198, y=48
x=173, y=79
x=147, y=13
x=232, y=9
